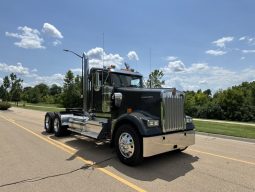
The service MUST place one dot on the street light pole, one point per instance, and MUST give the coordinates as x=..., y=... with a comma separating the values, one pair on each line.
x=83, y=80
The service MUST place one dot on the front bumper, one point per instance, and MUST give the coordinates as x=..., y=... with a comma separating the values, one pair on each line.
x=168, y=142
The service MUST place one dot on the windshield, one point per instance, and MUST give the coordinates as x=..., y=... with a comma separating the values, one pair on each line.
x=123, y=80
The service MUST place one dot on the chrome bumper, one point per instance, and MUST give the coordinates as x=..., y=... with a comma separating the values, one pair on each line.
x=168, y=142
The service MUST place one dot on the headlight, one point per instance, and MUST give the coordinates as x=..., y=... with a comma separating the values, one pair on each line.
x=152, y=123
x=189, y=119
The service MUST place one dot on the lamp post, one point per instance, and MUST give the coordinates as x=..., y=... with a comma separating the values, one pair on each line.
x=83, y=82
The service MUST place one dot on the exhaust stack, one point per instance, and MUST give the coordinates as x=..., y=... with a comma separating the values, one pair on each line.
x=85, y=63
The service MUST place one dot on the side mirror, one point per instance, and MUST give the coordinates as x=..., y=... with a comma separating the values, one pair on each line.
x=97, y=84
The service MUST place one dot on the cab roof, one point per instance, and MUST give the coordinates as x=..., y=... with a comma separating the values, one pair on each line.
x=120, y=71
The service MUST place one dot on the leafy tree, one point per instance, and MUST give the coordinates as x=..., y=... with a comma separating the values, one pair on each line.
x=16, y=88
x=236, y=103
x=2, y=92
x=34, y=95
x=155, y=79
x=208, y=92
x=72, y=91
x=43, y=89
x=25, y=93
x=55, y=89
x=5, y=89
x=11, y=88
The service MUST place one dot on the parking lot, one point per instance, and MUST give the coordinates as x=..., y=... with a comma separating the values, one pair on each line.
x=31, y=160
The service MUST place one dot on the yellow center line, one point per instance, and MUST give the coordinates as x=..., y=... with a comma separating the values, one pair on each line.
x=222, y=156
x=72, y=151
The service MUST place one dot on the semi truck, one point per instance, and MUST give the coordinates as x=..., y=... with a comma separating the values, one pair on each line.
x=139, y=122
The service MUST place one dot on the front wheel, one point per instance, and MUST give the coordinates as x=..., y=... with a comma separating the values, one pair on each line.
x=128, y=145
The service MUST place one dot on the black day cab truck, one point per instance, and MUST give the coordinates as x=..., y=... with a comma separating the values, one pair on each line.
x=139, y=122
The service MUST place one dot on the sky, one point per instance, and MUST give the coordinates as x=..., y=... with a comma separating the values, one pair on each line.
x=198, y=44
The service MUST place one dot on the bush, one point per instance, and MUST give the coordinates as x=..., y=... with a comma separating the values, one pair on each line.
x=4, y=105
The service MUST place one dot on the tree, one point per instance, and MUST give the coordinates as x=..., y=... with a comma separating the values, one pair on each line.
x=72, y=91
x=4, y=89
x=155, y=79
x=208, y=92
x=2, y=92
x=55, y=89
x=16, y=88
x=25, y=93
x=11, y=88
x=43, y=89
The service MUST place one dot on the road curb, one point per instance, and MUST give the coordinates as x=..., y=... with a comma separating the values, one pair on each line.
x=227, y=137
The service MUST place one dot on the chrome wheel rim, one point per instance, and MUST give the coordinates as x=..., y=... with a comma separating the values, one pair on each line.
x=126, y=145
x=47, y=122
x=56, y=125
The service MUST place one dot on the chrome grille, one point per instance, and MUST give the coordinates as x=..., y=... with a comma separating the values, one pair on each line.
x=172, y=111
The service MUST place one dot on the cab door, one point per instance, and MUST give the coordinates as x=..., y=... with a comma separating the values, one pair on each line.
x=96, y=91
x=101, y=92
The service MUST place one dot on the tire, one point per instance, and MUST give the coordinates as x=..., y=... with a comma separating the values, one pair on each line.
x=59, y=130
x=128, y=145
x=48, y=122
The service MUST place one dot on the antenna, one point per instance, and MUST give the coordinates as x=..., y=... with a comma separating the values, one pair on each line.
x=103, y=49
x=103, y=60
x=150, y=66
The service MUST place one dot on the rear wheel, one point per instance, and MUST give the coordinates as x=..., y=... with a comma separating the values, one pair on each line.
x=48, y=122
x=128, y=145
x=59, y=130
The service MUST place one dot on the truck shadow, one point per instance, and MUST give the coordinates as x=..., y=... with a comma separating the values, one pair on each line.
x=168, y=166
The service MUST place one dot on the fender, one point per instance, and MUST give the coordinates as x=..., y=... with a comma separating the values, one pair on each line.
x=138, y=119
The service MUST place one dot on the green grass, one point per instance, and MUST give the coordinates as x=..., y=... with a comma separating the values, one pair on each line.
x=245, y=131
x=39, y=106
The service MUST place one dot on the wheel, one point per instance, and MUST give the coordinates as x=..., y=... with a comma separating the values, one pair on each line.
x=48, y=122
x=128, y=145
x=59, y=130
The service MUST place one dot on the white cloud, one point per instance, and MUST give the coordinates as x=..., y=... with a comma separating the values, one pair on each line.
x=18, y=68
x=242, y=38
x=51, y=30
x=171, y=58
x=242, y=58
x=179, y=66
x=202, y=76
x=76, y=71
x=222, y=41
x=34, y=70
x=198, y=66
x=249, y=40
x=1, y=81
x=96, y=53
x=215, y=52
x=49, y=80
x=203, y=82
x=56, y=42
x=175, y=66
x=98, y=57
x=249, y=51
x=132, y=55
x=29, y=38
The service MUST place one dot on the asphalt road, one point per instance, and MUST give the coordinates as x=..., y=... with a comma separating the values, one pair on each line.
x=31, y=160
